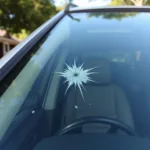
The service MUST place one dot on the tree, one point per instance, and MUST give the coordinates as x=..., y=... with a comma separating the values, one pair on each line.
x=130, y=2
x=18, y=15
x=120, y=2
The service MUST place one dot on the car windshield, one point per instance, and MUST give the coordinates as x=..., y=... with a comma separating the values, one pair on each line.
x=89, y=64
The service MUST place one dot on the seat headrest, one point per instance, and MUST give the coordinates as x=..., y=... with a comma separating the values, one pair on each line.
x=103, y=72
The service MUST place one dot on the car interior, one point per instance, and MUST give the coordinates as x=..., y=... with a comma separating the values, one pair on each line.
x=102, y=98
x=117, y=93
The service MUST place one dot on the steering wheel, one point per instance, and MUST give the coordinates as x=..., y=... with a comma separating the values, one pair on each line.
x=115, y=125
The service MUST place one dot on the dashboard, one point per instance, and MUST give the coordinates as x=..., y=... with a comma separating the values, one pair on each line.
x=94, y=142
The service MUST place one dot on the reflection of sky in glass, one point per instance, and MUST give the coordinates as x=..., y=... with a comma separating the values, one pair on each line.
x=56, y=38
x=122, y=31
x=14, y=96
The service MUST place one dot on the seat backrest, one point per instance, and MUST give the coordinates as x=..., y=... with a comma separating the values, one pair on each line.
x=102, y=71
x=102, y=98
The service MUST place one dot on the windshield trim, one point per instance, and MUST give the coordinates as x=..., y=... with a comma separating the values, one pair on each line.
x=111, y=9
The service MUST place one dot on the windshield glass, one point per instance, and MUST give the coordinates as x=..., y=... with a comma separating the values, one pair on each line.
x=90, y=64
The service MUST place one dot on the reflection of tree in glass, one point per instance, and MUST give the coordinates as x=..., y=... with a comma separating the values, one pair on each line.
x=112, y=15
x=73, y=18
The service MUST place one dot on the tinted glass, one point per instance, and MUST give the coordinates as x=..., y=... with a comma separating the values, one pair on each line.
x=26, y=85
x=117, y=44
x=101, y=68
